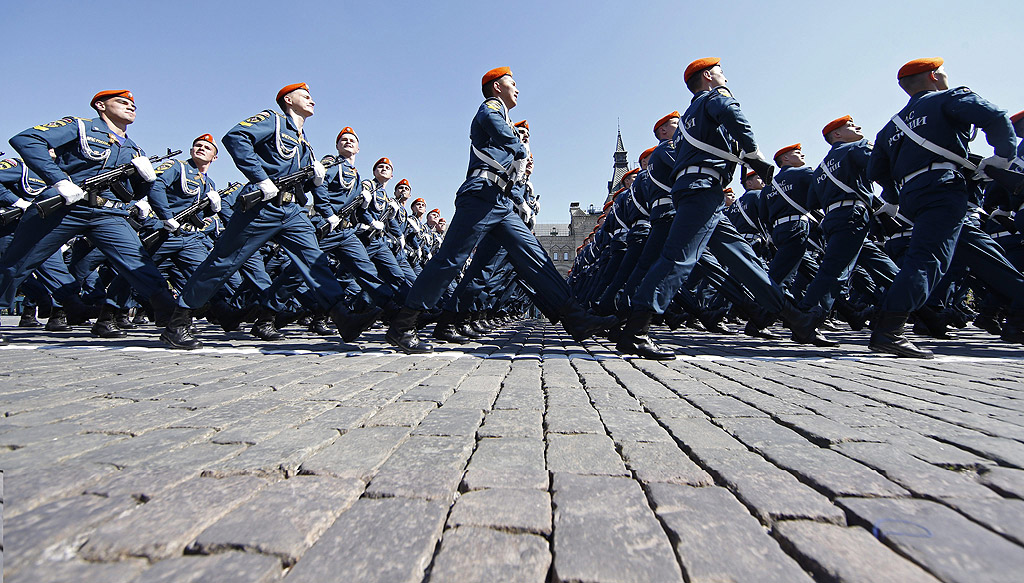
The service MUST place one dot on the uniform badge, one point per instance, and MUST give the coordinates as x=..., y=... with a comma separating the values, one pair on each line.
x=255, y=119
x=723, y=91
x=8, y=163
x=493, y=105
x=164, y=167
x=56, y=124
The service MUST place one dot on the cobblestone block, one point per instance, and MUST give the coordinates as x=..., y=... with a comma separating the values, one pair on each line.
x=390, y=540
x=481, y=554
x=450, y=421
x=718, y=540
x=571, y=420
x=504, y=509
x=424, y=466
x=834, y=473
x=662, y=462
x=401, y=414
x=1009, y=481
x=510, y=462
x=629, y=425
x=512, y=423
x=584, y=454
x=605, y=531
x=225, y=568
x=357, y=454
x=921, y=478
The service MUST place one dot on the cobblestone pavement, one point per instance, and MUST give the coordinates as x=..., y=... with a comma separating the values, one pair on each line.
x=527, y=458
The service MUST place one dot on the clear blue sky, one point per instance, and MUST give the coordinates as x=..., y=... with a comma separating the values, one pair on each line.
x=406, y=75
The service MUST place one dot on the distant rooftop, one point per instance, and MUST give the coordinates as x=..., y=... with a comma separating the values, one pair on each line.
x=551, y=229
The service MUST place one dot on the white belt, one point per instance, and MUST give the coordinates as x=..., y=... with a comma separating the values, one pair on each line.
x=900, y=235
x=699, y=170
x=642, y=224
x=619, y=232
x=840, y=204
x=661, y=201
x=932, y=166
x=1001, y=234
x=788, y=219
x=491, y=177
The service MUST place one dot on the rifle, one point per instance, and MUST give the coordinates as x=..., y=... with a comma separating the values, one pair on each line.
x=157, y=238
x=325, y=228
x=109, y=179
x=9, y=215
x=285, y=184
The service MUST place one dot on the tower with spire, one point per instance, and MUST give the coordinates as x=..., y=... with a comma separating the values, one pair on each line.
x=621, y=166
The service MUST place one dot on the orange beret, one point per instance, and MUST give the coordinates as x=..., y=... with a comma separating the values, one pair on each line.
x=665, y=119
x=782, y=151
x=104, y=95
x=435, y=211
x=289, y=88
x=630, y=173
x=646, y=153
x=403, y=181
x=835, y=125
x=728, y=190
x=608, y=204
x=919, y=66
x=383, y=161
x=523, y=124
x=346, y=130
x=749, y=174
x=419, y=200
x=495, y=74
x=1017, y=117
x=698, y=66
x=204, y=138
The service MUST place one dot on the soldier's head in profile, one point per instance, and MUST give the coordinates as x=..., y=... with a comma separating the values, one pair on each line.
x=295, y=98
x=115, y=106
x=842, y=130
x=665, y=127
x=751, y=181
x=499, y=83
x=402, y=191
x=704, y=74
x=920, y=75
x=789, y=156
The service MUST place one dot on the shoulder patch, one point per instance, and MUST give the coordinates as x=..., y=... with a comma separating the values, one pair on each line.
x=256, y=118
x=56, y=124
x=961, y=90
x=8, y=163
x=492, y=105
x=164, y=166
x=723, y=91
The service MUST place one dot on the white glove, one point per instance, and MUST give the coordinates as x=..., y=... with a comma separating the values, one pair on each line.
x=519, y=167
x=170, y=225
x=214, y=197
x=22, y=203
x=269, y=189
x=756, y=156
x=143, y=208
x=334, y=221
x=377, y=225
x=71, y=192
x=367, y=198
x=524, y=210
x=991, y=162
x=144, y=168
x=888, y=209
x=1000, y=213
x=318, y=173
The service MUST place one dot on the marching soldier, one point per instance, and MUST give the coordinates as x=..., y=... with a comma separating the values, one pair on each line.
x=919, y=158
x=84, y=148
x=266, y=147
x=498, y=159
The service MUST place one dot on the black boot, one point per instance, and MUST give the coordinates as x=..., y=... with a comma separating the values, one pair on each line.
x=351, y=324
x=581, y=324
x=856, y=317
x=463, y=327
x=105, y=327
x=713, y=321
x=988, y=320
x=402, y=333
x=887, y=336
x=264, y=328
x=28, y=318
x=635, y=339
x=178, y=333
x=1013, y=329
x=58, y=321
x=164, y=305
x=445, y=331
x=931, y=323
x=804, y=326
x=287, y=318
x=122, y=321
x=76, y=312
x=227, y=317
x=477, y=323
x=318, y=325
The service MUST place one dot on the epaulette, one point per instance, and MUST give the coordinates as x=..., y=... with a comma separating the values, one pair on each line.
x=58, y=124
x=261, y=116
x=8, y=163
x=961, y=90
x=493, y=103
x=723, y=91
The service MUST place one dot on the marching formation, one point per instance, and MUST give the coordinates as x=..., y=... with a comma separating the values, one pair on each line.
x=92, y=228
x=803, y=243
